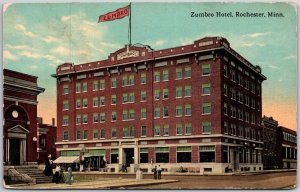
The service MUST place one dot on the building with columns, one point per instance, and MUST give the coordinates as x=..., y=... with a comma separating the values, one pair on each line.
x=20, y=118
x=196, y=106
x=288, y=148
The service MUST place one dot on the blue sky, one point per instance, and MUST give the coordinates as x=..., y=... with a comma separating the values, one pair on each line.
x=38, y=37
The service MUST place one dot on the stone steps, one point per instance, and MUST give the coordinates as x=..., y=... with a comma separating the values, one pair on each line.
x=35, y=173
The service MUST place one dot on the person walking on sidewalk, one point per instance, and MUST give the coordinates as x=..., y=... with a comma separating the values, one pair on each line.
x=69, y=176
x=154, y=170
x=159, y=172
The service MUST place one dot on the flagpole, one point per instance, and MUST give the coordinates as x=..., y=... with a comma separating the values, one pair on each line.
x=130, y=23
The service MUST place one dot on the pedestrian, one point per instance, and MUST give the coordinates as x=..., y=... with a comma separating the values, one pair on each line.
x=62, y=176
x=125, y=168
x=56, y=176
x=154, y=170
x=69, y=179
x=159, y=172
x=48, y=166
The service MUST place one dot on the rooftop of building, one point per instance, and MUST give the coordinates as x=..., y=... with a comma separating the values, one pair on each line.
x=138, y=53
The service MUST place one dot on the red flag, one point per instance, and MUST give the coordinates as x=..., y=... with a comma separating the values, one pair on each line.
x=117, y=14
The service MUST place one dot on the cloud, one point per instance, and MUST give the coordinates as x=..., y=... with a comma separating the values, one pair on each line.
x=22, y=29
x=160, y=42
x=8, y=55
x=18, y=47
x=60, y=50
x=258, y=34
x=186, y=41
x=33, y=67
x=290, y=56
x=252, y=44
x=51, y=39
x=37, y=55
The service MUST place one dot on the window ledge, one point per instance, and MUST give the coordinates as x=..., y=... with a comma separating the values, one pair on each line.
x=205, y=94
x=187, y=77
x=207, y=133
x=205, y=75
x=206, y=114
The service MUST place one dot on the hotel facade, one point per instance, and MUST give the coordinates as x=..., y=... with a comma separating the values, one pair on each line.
x=195, y=108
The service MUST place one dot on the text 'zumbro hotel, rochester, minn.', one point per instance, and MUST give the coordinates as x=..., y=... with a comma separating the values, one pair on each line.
x=235, y=14
x=196, y=106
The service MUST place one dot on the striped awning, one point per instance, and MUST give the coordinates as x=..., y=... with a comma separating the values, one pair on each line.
x=67, y=159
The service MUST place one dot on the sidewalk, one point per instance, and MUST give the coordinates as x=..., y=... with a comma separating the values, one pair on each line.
x=107, y=183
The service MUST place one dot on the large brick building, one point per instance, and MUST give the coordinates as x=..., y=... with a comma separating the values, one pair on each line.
x=197, y=106
x=20, y=118
x=289, y=148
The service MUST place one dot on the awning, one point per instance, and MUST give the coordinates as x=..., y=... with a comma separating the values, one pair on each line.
x=67, y=159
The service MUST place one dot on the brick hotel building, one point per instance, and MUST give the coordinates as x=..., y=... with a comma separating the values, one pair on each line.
x=196, y=106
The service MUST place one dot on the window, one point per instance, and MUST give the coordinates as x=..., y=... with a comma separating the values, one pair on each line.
x=95, y=117
x=157, y=112
x=162, y=154
x=232, y=74
x=66, y=135
x=125, y=132
x=102, y=101
x=144, y=131
x=78, y=87
x=207, y=154
x=113, y=83
x=225, y=89
x=166, y=93
x=188, y=110
x=178, y=92
x=102, y=116
x=95, y=134
x=225, y=108
x=78, y=135
x=225, y=70
x=125, y=115
x=124, y=81
x=157, y=130
x=225, y=127
x=102, y=133
x=78, y=119
x=178, y=111
x=156, y=76
x=188, y=91
x=85, y=134
x=206, y=127
x=143, y=78
x=166, y=130
x=131, y=114
x=95, y=102
x=78, y=103
x=166, y=111
x=240, y=131
x=84, y=87
x=125, y=97
x=113, y=99
x=95, y=85
x=113, y=115
x=143, y=113
x=102, y=84
x=132, y=131
x=65, y=89
x=156, y=94
x=178, y=73
x=114, y=156
x=143, y=155
x=143, y=95
x=233, y=93
x=206, y=89
x=113, y=133
x=85, y=103
x=65, y=120
x=178, y=129
x=85, y=119
x=184, y=154
x=188, y=72
x=206, y=108
x=131, y=97
x=188, y=128
x=206, y=69
x=166, y=75
x=65, y=105
x=131, y=80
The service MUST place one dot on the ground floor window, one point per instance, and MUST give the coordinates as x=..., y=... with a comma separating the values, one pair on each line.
x=144, y=155
x=207, y=154
x=114, y=156
x=225, y=156
x=162, y=154
x=184, y=154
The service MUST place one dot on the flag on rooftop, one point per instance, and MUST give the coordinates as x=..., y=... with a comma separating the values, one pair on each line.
x=117, y=14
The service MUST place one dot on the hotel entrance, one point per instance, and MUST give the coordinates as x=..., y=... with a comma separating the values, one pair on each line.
x=14, y=151
x=129, y=156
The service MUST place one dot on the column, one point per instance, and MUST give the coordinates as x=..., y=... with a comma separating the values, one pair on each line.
x=21, y=152
x=136, y=155
x=24, y=150
x=121, y=155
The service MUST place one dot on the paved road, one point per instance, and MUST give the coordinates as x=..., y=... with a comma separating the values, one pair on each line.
x=263, y=181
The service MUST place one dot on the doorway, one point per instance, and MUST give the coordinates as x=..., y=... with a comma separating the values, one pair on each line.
x=129, y=154
x=14, y=151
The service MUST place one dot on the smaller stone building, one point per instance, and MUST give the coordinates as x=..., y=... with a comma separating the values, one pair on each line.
x=288, y=148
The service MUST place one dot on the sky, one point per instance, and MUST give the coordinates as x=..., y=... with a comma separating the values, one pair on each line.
x=39, y=37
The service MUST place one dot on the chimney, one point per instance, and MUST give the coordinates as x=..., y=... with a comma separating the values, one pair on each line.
x=53, y=122
x=40, y=120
